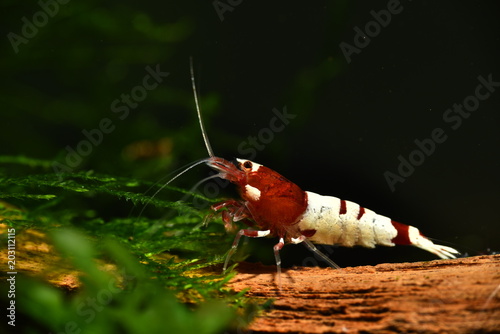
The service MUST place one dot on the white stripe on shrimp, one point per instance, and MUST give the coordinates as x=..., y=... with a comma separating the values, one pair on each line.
x=332, y=228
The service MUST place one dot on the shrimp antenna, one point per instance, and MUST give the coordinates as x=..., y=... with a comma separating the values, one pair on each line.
x=203, y=131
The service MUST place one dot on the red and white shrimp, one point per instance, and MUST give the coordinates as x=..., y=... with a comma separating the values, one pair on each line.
x=278, y=207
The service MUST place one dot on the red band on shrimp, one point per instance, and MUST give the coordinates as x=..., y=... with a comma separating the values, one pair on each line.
x=403, y=237
x=308, y=233
x=343, y=207
x=361, y=212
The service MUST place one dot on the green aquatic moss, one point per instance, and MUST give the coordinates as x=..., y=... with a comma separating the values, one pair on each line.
x=167, y=274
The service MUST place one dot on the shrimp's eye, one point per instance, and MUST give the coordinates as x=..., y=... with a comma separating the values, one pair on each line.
x=247, y=164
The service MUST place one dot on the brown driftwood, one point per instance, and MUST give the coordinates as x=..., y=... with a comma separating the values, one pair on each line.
x=443, y=296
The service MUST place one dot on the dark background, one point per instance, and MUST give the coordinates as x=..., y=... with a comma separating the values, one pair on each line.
x=352, y=120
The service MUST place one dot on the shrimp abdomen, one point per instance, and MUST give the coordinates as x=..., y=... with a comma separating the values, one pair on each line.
x=333, y=221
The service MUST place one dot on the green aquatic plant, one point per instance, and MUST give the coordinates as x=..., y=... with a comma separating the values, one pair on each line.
x=139, y=271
